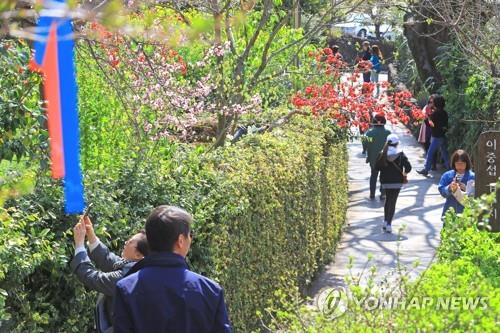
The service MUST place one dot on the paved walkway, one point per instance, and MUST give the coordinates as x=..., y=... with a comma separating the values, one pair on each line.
x=418, y=210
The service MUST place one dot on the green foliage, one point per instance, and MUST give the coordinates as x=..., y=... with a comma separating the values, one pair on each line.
x=268, y=212
x=407, y=70
x=307, y=6
x=283, y=224
x=21, y=116
x=472, y=99
x=281, y=76
x=472, y=96
x=7, y=5
x=108, y=135
x=467, y=268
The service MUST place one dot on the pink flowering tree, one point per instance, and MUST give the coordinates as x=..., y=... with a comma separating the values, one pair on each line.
x=156, y=83
x=250, y=53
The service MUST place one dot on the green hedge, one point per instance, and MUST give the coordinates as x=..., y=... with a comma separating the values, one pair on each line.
x=284, y=203
x=268, y=213
x=467, y=267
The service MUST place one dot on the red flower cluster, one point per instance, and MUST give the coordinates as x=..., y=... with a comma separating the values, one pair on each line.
x=110, y=43
x=405, y=109
x=328, y=62
x=350, y=102
x=365, y=65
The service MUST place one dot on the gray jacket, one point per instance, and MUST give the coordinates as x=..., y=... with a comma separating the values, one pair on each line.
x=108, y=270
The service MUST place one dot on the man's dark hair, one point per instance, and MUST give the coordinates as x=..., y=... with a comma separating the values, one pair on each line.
x=461, y=155
x=438, y=101
x=379, y=120
x=142, y=243
x=164, y=226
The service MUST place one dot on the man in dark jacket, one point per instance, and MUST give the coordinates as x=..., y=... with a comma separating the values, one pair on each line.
x=438, y=122
x=160, y=294
x=108, y=269
x=373, y=143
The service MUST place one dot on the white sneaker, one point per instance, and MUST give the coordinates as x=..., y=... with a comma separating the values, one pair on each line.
x=388, y=228
x=384, y=226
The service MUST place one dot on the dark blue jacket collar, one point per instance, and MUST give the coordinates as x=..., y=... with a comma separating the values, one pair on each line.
x=160, y=259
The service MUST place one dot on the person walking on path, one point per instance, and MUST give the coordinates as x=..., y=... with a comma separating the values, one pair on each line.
x=438, y=121
x=363, y=61
x=376, y=60
x=394, y=166
x=109, y=268
x=160, y=294
x=373, y=142
x=456, y=183
x=424, y=136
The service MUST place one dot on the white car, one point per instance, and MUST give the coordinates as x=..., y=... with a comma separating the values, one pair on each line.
x=355, y=25
x=359, y=25
x=386, y=32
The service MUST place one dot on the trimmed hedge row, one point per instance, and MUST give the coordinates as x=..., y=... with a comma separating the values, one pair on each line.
x=284, y=203
x=268, y=213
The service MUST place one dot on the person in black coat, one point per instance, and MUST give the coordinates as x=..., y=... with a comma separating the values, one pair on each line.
x=393, y=165
x=438, y=122
x=363, y=59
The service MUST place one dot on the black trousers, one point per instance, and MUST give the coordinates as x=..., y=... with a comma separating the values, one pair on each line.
x=366, y=77
x=391, y=196
x=373, y=182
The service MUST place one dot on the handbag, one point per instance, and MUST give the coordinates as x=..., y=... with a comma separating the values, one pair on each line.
x=405, y=176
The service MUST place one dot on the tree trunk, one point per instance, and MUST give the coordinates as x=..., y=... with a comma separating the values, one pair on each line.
x=223, y=119
x=296, y=25
x=424, y=39
x=377, y=31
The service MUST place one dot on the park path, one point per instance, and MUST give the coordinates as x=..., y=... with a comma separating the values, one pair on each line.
x=418, y=209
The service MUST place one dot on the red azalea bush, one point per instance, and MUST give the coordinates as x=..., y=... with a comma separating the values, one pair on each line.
x=350, y=102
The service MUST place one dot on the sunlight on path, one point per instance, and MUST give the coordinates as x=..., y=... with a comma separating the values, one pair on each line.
x=418, y=210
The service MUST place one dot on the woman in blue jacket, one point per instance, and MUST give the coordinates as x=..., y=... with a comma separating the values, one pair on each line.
x=460, y=178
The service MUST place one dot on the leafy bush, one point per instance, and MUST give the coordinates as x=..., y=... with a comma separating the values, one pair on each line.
x=21, y=116
x=467, y=268
x=472, y=99
x=279, y=232
x=268, y=212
